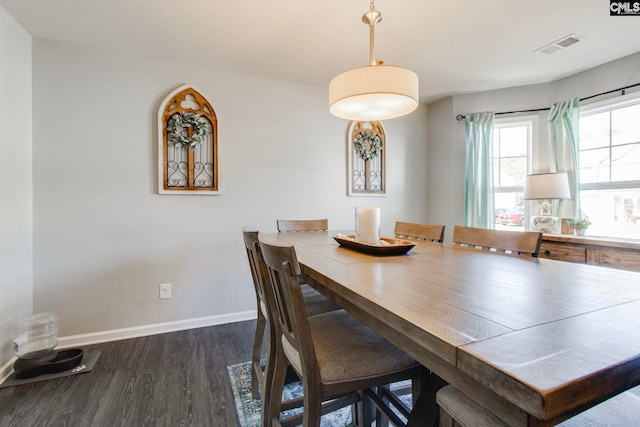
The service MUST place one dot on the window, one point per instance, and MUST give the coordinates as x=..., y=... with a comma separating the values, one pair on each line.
x=511, y=146
x=610, y=167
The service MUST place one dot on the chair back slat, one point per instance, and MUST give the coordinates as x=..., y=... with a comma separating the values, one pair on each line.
x=412, y=231
x=504, y=241
x=289, y=225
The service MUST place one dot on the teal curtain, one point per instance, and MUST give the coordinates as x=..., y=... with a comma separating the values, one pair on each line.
x=564, y=118
x=478, y=206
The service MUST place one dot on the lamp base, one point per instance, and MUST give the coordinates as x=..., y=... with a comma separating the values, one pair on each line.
x=546, y=224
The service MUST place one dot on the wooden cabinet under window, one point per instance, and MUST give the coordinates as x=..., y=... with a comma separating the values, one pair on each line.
x=607, y=252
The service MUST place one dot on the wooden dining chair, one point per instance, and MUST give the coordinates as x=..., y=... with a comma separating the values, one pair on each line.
x=288, y=225
x=526, y=243
x=315, y=303
x=412, y=231
x=459, y=410
x=336, y=356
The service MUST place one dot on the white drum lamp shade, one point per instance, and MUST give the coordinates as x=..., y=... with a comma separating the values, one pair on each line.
x=373, y=92
x=544, y=186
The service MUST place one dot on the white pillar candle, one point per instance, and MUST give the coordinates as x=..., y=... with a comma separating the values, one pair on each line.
x=368, y=225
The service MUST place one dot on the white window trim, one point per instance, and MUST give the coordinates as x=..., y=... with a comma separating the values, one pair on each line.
x=532, y=122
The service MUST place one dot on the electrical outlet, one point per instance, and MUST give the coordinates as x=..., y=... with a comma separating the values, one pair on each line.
x=165, y=290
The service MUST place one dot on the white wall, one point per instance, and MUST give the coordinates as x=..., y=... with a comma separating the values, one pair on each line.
x=16, y=210
x=446, y=135
x=104, y=239
x=446, y=175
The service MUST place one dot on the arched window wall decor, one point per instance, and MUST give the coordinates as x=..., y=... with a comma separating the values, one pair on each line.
x=187, y=144
x=366, y=157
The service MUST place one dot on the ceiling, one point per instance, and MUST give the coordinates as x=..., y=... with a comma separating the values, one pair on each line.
x=454, y=46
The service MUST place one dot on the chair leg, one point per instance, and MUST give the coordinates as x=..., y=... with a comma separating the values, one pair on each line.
x=256, y=370
x=312, y=407
x=354, y=413
x=273, y=397
x=381, y=419
x=365, y=411
x=268, y=374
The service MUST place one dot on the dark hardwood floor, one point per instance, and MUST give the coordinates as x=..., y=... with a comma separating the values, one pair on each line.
x=174, y=379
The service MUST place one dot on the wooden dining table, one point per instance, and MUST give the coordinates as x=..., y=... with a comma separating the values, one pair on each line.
x=534, y=341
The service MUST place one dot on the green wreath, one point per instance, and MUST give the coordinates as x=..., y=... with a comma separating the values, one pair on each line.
x=368, y=145
x=179, y=125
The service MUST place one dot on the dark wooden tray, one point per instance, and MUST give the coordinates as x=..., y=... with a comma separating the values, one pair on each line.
x=395, y=246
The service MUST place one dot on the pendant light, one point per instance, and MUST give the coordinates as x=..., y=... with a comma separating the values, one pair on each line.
x=376, y=91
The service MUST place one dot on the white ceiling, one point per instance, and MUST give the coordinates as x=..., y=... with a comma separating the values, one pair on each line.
x=454, y=46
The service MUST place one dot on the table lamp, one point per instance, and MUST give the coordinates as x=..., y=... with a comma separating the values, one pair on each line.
x=546, y=187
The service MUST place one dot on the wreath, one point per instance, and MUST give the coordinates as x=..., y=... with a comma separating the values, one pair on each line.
x=179, y=125
x=368, y=145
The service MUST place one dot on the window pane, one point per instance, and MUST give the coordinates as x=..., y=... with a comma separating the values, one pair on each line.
x=513, y=141
x=614, y=213
x=625, y=163
x=496, y=142
x=594, y=166
x=624, y=123
x=510, y=166
x=594, y=131
x=509, y=211
x=513, y=171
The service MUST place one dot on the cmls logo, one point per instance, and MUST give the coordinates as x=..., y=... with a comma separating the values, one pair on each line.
x=620, y=8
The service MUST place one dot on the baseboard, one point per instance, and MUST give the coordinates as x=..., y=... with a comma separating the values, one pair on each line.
x=146, y=330
x=6, y=369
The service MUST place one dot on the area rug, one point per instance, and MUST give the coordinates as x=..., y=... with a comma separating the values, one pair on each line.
x=248, y=409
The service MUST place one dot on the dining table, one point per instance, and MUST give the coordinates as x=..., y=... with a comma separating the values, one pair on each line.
x=535, y=341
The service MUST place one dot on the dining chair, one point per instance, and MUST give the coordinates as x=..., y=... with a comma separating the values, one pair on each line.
x=526, y=243
x=337, y=357
x=459, y=410
x=315, y=303
x=288, y=225
x=413, y=231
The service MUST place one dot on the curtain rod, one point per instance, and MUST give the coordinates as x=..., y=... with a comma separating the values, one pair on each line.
x=621, y=89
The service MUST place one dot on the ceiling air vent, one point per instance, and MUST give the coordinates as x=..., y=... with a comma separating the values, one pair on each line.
x=562, y=43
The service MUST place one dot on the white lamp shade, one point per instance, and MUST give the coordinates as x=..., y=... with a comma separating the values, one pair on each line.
x=547, y=186
x=373, y=92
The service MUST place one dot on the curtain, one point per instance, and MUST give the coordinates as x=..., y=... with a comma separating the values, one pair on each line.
x=479, y=206
x=563, y=144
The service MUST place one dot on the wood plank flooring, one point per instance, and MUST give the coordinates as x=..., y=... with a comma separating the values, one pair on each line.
x=174, y=379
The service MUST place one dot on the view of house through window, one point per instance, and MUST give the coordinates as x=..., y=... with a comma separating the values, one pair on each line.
x=511, y=144
x=610, y=167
